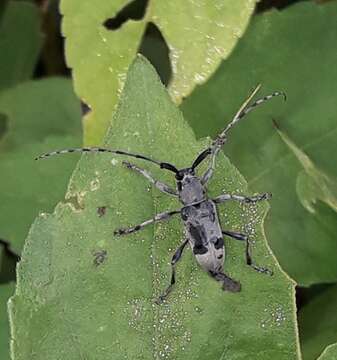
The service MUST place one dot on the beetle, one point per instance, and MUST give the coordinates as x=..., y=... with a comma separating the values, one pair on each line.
x=199, y=214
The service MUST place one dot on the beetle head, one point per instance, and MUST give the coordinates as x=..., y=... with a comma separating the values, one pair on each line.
x=183, y=173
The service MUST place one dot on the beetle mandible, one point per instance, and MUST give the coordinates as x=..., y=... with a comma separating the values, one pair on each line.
x=199, y=214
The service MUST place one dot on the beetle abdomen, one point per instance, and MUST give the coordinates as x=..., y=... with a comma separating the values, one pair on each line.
x=204, y=234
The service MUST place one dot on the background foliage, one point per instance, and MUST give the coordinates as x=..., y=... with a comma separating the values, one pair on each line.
x=209, y=70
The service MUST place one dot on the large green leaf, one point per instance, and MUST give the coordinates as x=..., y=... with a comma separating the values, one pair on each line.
x=318, y=323
x=40, y=114
x=203, y=31
x=84, y=293
x=5, y=292
x=302, y=62
x=20, y=42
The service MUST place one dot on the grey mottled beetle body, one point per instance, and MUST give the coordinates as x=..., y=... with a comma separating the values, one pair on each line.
x=199, y=214
x=203, y=231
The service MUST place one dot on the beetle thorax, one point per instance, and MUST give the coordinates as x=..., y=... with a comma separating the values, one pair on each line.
x=190, y=189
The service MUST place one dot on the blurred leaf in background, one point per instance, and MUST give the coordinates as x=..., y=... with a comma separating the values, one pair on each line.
x=80, y=306
x=34, y=116
x=301, y=61
x=32, y=113
x=20, y=42
x=102, y=40
x=42, y=115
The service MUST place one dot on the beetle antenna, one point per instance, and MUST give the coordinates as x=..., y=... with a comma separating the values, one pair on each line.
x=244, y=110
x=163, y=165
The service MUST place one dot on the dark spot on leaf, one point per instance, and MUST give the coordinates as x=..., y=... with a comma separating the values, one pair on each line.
x=134, y=10
x=101, y=211
x=99, y=257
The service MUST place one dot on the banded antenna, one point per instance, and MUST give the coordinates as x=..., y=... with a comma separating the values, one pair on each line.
x=163, y=165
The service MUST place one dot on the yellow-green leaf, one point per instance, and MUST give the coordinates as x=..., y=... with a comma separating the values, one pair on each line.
x=199, y=35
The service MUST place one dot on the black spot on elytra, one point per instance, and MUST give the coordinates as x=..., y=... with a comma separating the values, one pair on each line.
x=199, y=236
x=219, y=243
x=198, y=233
x=200, y=249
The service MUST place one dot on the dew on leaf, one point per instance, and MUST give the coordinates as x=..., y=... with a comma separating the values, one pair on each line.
x=114, y=161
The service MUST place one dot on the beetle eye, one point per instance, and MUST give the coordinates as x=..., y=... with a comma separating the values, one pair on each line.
x=179, y=176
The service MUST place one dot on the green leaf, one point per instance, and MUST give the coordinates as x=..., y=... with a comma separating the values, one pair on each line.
x=330, y=353
x=302, y=240
x=318, y=323
x=6, y=290
x=85, y=308
x=20, y=42
x=203, y=31
x=312, y=184
x=41, y=114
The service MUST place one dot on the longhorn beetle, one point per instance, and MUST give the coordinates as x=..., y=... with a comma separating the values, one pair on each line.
x=199, y=214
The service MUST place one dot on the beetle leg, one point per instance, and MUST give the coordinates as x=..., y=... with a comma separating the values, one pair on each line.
x=159, y=217
x=175, y=258
x=242, y=198
x=159, y=185
x=228, y=284
x=249, y=261
x=235, y=235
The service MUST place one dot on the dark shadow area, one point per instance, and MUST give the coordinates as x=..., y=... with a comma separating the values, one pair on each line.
x=85, y=109
x=3, y=4
x=304, y=295
x=3, y=125
x=135, y=10
x=8, y=262
x=153, y=46
x=52, y=60
x=265, y=5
